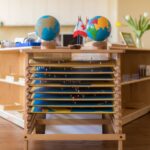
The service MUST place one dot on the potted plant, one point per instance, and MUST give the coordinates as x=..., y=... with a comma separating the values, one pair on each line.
x=139, y=27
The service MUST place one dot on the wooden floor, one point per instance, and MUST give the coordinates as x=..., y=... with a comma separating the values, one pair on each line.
x=138, y=138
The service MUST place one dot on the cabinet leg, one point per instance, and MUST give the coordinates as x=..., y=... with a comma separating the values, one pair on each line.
x=40, y=129
x=26, y=144
x=120, y=145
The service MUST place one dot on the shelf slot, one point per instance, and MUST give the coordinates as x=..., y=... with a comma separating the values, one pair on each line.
x=72, y=64
x=72, y=111
x=77, y=99
x=71, y=104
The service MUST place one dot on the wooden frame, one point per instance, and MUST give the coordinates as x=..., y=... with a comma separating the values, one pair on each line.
x=128, y=39
x=112, y=120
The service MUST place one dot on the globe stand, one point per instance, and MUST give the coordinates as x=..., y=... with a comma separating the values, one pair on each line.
x=100, y=45
x=97, y=45
x=48, y=44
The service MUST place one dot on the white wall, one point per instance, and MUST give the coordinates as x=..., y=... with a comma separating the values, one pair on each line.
x=134, y=8
x=113, y=16
x=26, y=12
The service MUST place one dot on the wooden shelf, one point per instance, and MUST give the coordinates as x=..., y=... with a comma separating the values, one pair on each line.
x=73, y=85
x=73, y=64
x=13, y=116
x=135, y=81
x=98, y=105
x=91, y=73
x=73, y=79
x=78, y=99
x=62, y=112
x=10, y=106
x=86, y=93
x=14, y=49
x=72, y=106
x=12, y=82
x=132, y=114
x=131, y=49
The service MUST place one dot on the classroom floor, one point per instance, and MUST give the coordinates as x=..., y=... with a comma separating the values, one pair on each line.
x=138, y=138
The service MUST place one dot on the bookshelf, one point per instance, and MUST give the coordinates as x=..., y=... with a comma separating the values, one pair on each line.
x=50, y=90
x=135, y=93
x=12, y=63
x=16, y=57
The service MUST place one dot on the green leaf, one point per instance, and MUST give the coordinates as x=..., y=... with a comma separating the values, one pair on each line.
x=130, y=22
x=130, y=25
x=135, y=23
x=144, y=21
x=148, y=28
x=139, y=26
x=145, y=25
x=140, y=22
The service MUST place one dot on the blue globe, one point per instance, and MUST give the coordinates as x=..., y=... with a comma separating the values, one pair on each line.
x=47, y=28
x=98, y=28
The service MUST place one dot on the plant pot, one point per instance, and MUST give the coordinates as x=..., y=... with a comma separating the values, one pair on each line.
x=139, y=43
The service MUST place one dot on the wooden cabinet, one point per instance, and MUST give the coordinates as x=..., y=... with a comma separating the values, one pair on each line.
x=135, y=90
x=135, y=93
x=12, y=91
x=56, y=84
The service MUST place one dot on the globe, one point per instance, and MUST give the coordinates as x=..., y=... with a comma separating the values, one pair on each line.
x=98, y=28
x=47, y=28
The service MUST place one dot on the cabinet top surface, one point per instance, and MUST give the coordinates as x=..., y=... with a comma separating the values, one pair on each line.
x=14, y=49
x=132, y=49
x=72, y=51
x=58, y=50
x=67, y=50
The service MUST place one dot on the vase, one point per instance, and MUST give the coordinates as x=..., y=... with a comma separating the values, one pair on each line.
x=139, y=42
